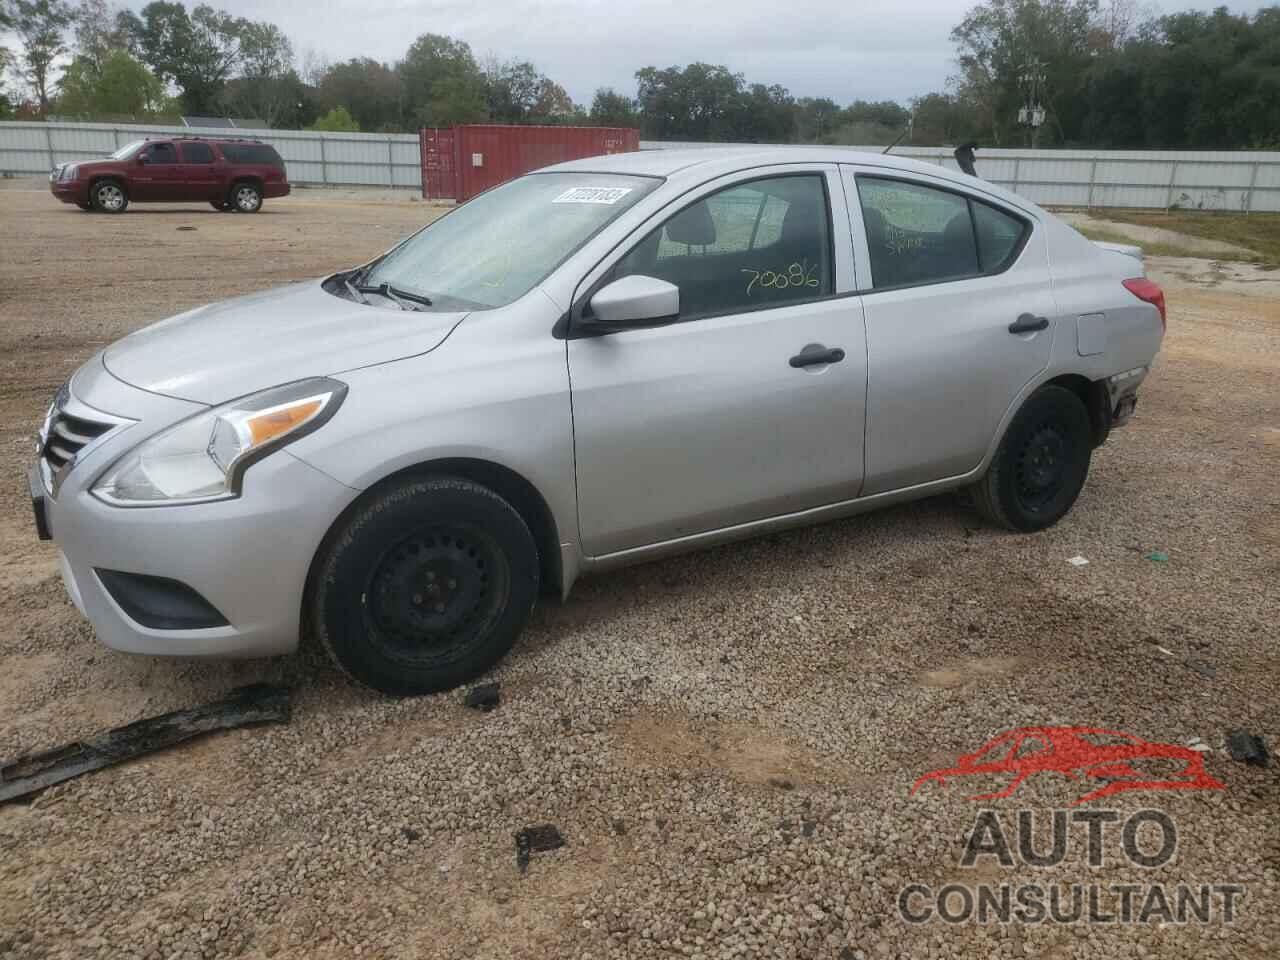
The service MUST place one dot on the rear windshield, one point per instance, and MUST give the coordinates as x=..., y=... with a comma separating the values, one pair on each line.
x=251, y=153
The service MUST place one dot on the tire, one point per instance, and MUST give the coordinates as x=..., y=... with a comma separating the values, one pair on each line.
x=426, y=585
x=246, y=197
x=108, y=196
x=222, y=206
x=1041, y=464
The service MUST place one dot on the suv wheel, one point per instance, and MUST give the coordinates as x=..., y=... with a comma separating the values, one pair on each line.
x=246, y=198
x=1041, y=464
x=107, y=196
x=427, y=585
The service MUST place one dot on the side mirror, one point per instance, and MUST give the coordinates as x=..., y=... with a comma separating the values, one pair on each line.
x=636, y=301
x=142, y=158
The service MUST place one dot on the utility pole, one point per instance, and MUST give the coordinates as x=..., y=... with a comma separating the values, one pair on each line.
x=1031, y=114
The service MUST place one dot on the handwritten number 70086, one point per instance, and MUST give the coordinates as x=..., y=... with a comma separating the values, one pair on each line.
x=796, y=275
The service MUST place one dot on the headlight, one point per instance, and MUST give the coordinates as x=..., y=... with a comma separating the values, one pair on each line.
x=204, y=457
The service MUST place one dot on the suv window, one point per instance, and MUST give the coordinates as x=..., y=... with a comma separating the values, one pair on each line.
x=757, y=244
x=256, y=153
x=918, y=234
x=197, y=153
x=161, y=153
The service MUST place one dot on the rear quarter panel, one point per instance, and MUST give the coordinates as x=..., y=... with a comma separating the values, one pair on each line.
x=1096, y=312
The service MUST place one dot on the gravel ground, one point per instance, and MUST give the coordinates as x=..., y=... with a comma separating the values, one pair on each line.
x=727, y=740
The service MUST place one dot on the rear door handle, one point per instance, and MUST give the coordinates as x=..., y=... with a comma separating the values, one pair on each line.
x=816, y=353
x=1029, y=323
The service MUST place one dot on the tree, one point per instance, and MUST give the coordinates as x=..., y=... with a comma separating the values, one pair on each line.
x=701, y=101
x=267, y=87
x=199, y=52
x=612, y=109
x=121, y=86
x=337, y=120
x=816, y=119
x=40, y=26
x=99, y=32
x=443, y=85
x=1002, y=44
x=372, y=92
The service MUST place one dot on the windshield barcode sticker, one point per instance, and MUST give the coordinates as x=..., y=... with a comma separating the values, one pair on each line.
x=593, y=195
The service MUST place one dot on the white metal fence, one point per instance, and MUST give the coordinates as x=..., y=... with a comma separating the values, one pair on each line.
x=373, y=159
x=1232, y=180
x=1240, y=181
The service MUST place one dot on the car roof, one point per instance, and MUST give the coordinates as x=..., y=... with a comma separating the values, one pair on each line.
x=699, y=164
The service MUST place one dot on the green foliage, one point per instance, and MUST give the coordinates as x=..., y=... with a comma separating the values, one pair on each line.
x=337, y=120
x=612, y=109
x=40, y=25
x=121, y=87
x=443, y=86
x=372, y=92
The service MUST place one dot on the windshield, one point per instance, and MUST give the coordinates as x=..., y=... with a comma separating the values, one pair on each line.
x=499, y=246
x=127, y=149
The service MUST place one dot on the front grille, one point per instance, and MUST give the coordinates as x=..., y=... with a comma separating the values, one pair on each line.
x=70, y=427
x=67, y=434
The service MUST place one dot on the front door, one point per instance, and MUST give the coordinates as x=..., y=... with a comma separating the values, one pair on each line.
x=959, y=310
x=751, y=404
x=157, y=175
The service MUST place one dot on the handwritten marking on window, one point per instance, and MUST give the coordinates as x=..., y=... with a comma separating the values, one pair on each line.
x=898, y=241
x=796, y=275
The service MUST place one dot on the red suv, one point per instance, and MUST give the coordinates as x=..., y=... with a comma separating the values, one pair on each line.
x=230, y=174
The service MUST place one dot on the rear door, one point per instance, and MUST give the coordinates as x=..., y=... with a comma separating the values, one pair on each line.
x=199, y=172
x=958, y=305
x=725, y=416
x=157, y=174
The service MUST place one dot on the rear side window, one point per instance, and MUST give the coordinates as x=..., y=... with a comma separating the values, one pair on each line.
x=197, y=153
x=255, y=153
x=759, y=244
x=918, y=234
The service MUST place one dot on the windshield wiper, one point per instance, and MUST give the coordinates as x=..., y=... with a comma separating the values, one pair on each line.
x=396, y=294
x=354, y=291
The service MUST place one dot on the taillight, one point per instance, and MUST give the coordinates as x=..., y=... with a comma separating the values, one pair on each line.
x=1148, y=292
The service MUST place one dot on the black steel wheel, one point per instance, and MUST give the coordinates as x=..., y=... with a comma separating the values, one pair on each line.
x=425, y=585
x=1041, y=464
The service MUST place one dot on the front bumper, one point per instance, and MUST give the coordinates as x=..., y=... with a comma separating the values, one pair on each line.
x=70, y=191
x=248, y=557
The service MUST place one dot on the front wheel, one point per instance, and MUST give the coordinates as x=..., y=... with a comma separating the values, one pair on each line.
x=427, y=585
x=107, y=196
x=246, y=198
x=1041, y=464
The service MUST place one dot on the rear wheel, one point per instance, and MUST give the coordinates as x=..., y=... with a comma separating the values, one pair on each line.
x=108, y=196
x=246, y=198
x=427, y=585
x=1041, y=464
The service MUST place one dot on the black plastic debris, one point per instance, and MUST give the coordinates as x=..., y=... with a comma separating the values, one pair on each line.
x=410, y=834
x=538, y=839
x=1247, y=747
x=484, y=698
x=248, y=706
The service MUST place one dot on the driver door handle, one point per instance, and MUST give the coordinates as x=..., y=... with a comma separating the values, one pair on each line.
x=816, y=353
x=1029, y=323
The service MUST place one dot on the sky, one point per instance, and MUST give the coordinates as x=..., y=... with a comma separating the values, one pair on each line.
x=842, y=49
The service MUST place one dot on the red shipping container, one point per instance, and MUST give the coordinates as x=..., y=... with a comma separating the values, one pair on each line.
x=478, y=156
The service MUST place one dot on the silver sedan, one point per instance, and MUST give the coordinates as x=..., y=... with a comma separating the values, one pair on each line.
x=599, y=363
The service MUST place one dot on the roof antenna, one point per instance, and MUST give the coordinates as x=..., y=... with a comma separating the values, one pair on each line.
x=964, y=157
x=897, y=139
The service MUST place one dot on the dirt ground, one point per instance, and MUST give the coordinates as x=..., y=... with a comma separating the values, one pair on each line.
x=727, y=740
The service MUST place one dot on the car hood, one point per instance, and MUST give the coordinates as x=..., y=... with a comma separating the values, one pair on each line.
x=224, y=350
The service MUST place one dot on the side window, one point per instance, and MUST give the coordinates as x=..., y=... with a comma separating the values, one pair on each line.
x=197, y=153
x=916, y=234
x=999, y=236
x=757, y=244
x=161, y=153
